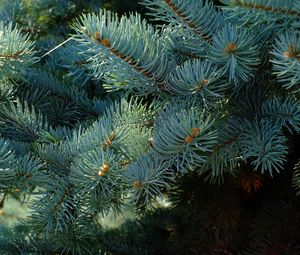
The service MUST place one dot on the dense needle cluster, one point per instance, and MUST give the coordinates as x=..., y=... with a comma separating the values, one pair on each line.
x=187, y=124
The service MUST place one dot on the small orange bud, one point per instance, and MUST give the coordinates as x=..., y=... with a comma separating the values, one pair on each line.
x=292, y=52
x=230, y=48
x=97, y=37
x=287, y=54
x=205, y=81
x=15, y=55
x=100, y=173
x=103, y=170
x=105, y=42
x=109, y=140
x=137, y=184
x=188, y=139
x=195, y=132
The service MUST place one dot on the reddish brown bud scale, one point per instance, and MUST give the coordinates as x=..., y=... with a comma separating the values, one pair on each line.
x=97, y=37
x=195, y=132
x=105, y=42
x=109, y=140
x=230, y=48
x=188, y=139
x=292, y=52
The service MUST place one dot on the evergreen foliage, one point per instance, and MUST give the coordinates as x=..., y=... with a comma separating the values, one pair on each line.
x=189, y=121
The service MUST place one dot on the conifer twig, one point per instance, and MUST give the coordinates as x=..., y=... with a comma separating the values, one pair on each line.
x=106, y=43
x=186, y=20
x=3, y=200
x=266, y=8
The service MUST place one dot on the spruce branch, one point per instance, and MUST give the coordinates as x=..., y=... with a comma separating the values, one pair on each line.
x=183, y=16
x=273, y=6
x=264, y=145
x=30, y=174
x=134, y=63
x=236, y=52
x=124, y=114
x=200, y=17
x=147, y=178
x=197, y=76
x=96, y=169
x=184, y=138
x=286, y=60
x=224, y=157
x=61, y=200
x=285, y=112
x=16, y=51
x=148, y=56
x=21, y=123
x=54, y=210
x=7, y=165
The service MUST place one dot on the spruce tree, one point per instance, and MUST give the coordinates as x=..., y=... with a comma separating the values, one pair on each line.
x=186, y=124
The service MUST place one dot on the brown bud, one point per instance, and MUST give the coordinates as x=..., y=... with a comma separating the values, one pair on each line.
x=195, y=132
x=137, y=184
x=97, y=37
x=103, y=169
x=188, y=139
x=287, y=54
x=230, y=48
x=105, y=42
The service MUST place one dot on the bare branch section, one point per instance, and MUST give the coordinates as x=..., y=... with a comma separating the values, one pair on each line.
x=230, y=141
x=61, y=200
